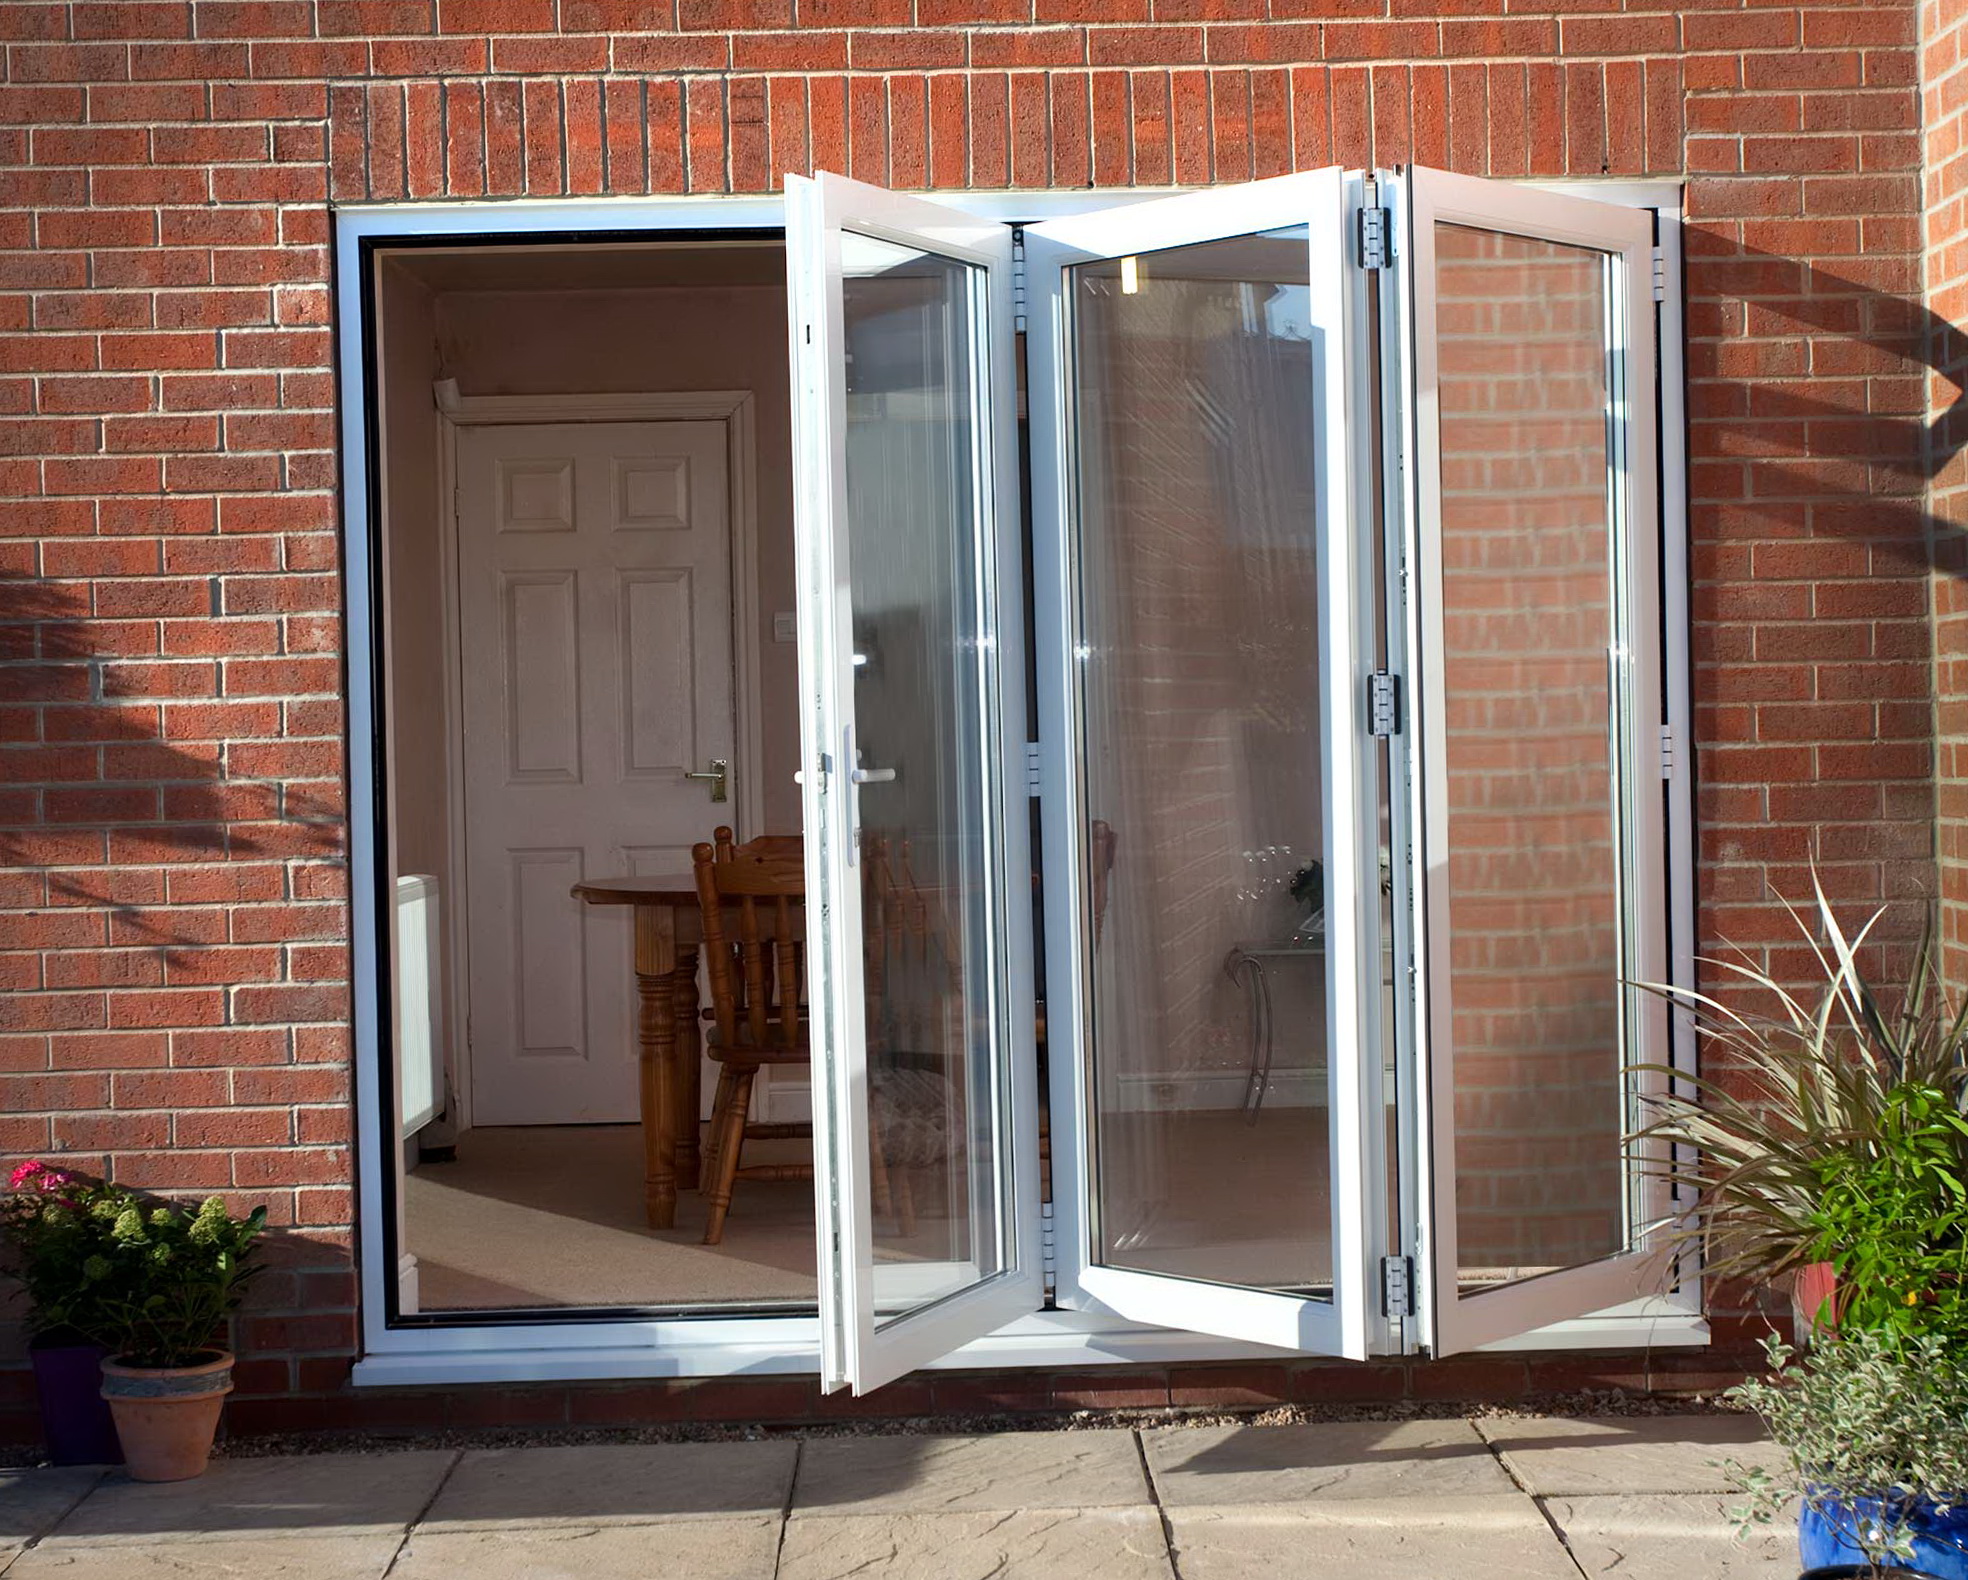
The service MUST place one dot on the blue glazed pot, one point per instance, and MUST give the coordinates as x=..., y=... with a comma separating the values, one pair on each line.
x=1940, y=1543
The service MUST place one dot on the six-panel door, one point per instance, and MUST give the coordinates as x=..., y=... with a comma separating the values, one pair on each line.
x=594, y=573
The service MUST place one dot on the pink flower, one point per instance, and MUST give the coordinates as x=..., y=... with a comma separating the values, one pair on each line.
x=41, y=1176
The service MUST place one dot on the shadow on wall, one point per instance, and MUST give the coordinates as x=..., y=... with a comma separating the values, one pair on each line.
x=116, y=781
x=1804, y=480
x=135, y=856
x=1845, y=452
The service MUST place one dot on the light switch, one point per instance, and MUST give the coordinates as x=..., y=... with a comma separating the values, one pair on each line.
x=784, y=628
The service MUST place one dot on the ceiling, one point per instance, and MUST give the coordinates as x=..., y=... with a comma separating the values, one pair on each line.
x=594, y=266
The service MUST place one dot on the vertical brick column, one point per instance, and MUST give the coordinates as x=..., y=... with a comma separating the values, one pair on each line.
x=1944, y=120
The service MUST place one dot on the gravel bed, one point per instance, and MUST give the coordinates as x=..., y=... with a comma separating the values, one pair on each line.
x=1614, y=1402
x=1572, y=1404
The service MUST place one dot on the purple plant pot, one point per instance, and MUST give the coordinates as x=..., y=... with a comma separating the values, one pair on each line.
x=75, y=1418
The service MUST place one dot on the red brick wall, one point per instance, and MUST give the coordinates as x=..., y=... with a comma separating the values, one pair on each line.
x=170, y=713
x=1944, y=117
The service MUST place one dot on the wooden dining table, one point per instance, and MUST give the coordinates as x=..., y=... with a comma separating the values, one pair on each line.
x=669, y=930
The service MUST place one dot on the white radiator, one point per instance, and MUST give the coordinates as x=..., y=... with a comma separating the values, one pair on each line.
x=419, y=1004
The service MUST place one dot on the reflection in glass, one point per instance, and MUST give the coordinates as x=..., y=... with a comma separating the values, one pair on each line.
x=917, y=544
x=1528, y=615
x=1193, y=387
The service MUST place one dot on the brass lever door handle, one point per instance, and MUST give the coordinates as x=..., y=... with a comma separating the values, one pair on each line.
x=718, y=776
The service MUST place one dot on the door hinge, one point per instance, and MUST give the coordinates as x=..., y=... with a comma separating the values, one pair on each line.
x=1660, y=274
x=1397, y=1295
x=1383, y=705
x=1667, y=751
x=1373, y=238
x=1048, y=1250
x=1018, y=307
x=1032, y=769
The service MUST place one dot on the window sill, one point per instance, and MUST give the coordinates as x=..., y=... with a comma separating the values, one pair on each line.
x=1044, y=1340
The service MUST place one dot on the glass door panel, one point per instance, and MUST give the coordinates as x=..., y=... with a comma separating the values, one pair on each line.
x=1209, y=792
x=1540, y=857
x=1535, y=960
x=927, y=827
x=926, y=1138
x=1199, y=589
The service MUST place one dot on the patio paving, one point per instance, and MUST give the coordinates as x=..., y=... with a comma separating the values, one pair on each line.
x=1490, y=1499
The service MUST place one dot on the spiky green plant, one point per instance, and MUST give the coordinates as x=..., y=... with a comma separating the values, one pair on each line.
x=1808, y=1138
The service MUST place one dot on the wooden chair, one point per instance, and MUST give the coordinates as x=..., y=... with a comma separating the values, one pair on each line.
x=782, y=849
x=916, y=1012
x=757, y=983
x=1100, y=857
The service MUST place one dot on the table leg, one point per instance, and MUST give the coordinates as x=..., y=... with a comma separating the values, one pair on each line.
x=689, y=1073
x=655, y=966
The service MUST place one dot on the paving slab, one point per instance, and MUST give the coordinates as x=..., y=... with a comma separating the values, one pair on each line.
x=344, y=1557
x=33, y=1501
x=995, y=1473
x=1198, y=1467
x=311, y=1495
x=1089, y=1544
x=1690, y=1535
x=614, y=1484
x=701, y=1549
x=1558, y=1458
x=1498, y=1539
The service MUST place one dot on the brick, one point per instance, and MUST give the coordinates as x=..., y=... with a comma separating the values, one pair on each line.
x=1052, y=46
x=867, y=130
x=544, y=122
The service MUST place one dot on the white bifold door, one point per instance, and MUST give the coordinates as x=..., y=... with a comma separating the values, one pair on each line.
x=1534, y=660
x=1340, y=587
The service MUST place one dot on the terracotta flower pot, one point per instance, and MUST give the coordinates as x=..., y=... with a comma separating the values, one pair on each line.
x=1814, y=1301
x=167, y=1416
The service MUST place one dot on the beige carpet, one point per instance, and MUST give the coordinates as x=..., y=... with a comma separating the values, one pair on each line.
x=551, y=1215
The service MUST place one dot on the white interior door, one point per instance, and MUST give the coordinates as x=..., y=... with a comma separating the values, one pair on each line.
x=1534, y=643
x=918, y=875
x=1211, y=816
x=594, y=571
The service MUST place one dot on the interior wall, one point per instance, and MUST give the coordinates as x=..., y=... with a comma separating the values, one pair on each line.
x=662, y=339
x=413, y=634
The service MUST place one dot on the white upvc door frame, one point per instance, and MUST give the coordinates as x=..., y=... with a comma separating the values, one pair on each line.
x=857, y=1349
x=1451, y=1322
x=535, y=1347
x=1326, y=202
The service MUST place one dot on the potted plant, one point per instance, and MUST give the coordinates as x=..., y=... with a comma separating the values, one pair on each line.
x=1874, y=1425
x=154, y=1285
x=50, y=1231
x=1827, y=1142
x=1824, y=1145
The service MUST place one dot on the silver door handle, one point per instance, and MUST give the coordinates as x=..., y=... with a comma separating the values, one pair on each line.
x=718, y=776
x=857, y=776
